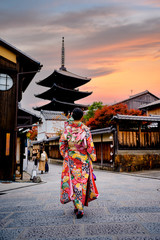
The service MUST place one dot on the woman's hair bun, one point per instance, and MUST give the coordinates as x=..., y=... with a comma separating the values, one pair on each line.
x=77, y=113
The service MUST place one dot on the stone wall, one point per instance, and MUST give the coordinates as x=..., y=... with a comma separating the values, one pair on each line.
x=129, y=162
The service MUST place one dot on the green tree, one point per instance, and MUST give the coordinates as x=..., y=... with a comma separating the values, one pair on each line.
x=91, y=110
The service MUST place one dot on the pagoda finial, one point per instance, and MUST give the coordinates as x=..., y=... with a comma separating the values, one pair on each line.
x=62, y=56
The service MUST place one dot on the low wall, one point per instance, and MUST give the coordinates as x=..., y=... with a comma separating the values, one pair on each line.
x=136, y=161
x=55, y=161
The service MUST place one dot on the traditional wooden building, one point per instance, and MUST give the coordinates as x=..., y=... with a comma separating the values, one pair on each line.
x=131, y=144
x=16, y=72
x=151, y=108
x=104, y=144
x=63, y=89
x=51, y=146
x=136, y=142
x=135, y=101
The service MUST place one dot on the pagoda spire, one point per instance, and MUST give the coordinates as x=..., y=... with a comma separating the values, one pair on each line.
x=62, y=56
x=63, y=90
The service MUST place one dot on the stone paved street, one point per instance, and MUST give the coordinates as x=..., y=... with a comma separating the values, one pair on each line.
x=128, y=209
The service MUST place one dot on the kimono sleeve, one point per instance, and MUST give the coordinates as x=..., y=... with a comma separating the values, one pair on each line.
x=90, y=147
x=63, y=146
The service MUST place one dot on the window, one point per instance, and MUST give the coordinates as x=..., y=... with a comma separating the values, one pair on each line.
x=6, y=82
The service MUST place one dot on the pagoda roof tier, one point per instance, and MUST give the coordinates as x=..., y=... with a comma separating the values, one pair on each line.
x=62, y=94
x=64, y=79
x=56, y=105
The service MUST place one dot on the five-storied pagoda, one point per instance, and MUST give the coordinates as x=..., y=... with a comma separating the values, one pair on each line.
x=62, y=89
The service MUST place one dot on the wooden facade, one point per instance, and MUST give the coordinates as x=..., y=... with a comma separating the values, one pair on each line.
x=54, y=149
x=103, y=141
x=135, y=101
x=133, y=143
x=138, y=132
x=12, y=64
x=8, y=122
x=103, y=149
x=137, y=145
x=149, y=139
x=152, y=108
x=51, y=146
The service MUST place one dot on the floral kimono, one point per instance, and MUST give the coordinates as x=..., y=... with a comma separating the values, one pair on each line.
x=77, y=149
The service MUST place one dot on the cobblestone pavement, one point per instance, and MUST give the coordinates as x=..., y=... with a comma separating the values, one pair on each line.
x=128, y=208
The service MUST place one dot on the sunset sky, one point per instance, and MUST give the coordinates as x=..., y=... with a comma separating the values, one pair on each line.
x=114, y=42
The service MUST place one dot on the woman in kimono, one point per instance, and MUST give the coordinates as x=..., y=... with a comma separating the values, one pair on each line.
x=78, y=152
x=42, y=161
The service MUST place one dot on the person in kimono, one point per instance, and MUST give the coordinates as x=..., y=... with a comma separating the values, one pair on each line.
x=78, y=152
x=42, y=161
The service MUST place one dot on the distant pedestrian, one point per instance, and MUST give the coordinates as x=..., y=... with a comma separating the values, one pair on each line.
x=46, y=167
x=37, y=158
x=43, y=159
x=34, y=154
x=77, y=149
x=28, y=154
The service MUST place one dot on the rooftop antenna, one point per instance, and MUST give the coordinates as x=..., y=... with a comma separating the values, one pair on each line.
x=131, y=93
x=62, y=56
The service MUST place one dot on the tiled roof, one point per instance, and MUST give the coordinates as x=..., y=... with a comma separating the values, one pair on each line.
x=135, y=96
x=140, y=94
x=150, y=104
x=63, y=94
x=152, y=118
x=53, y=115
x=17, y=51
x=69, y=74
x=102, y=130
x=28, y=112
x=52, y=139
x=56, y=105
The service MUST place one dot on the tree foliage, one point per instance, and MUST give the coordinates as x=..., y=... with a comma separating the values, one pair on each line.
x=91, y=110
x=32, y=134
x=102, y=117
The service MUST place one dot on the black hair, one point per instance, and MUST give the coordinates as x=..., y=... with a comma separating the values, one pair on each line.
x=77, y=113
